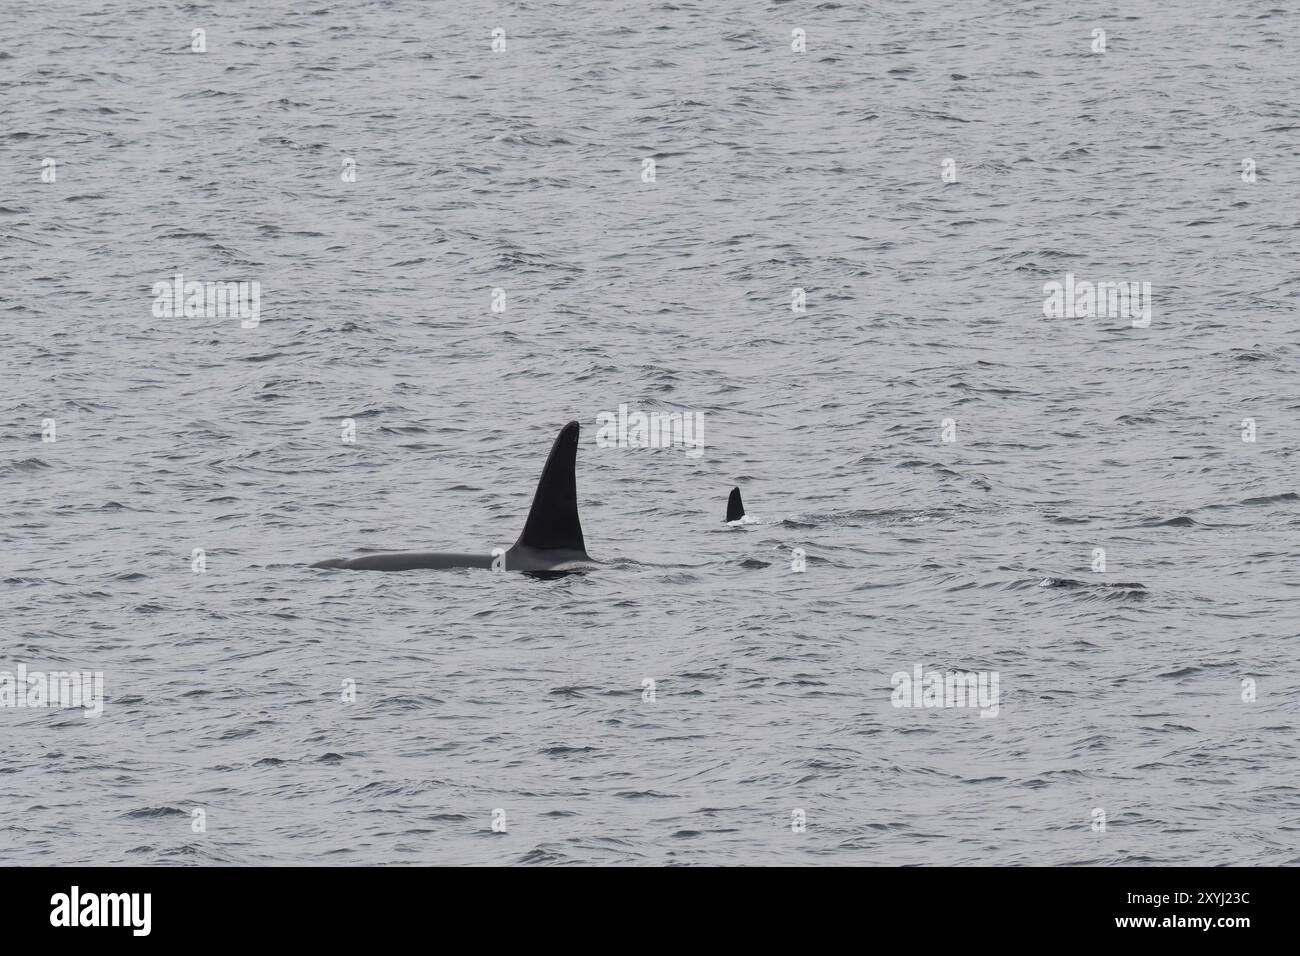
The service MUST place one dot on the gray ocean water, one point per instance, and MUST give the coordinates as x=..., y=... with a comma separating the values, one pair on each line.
x=1160, y=691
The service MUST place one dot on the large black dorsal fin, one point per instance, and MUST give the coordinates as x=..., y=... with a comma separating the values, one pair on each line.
x=735, y=510
x=553, y=521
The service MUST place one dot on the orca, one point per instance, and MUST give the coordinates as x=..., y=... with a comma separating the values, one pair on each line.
x=735, y=508
x=550, y=542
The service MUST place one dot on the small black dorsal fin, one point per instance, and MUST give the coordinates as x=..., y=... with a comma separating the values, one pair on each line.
x=735, y=510
x=553, y=520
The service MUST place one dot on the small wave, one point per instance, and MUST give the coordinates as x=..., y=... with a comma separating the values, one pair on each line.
x=1272, y=499
x=29, y=464
x=1182, y=521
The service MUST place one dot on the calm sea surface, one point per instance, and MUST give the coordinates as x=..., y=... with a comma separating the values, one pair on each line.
x=1159, y=692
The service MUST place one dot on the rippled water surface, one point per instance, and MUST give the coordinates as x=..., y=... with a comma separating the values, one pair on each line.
x=1120, y=691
